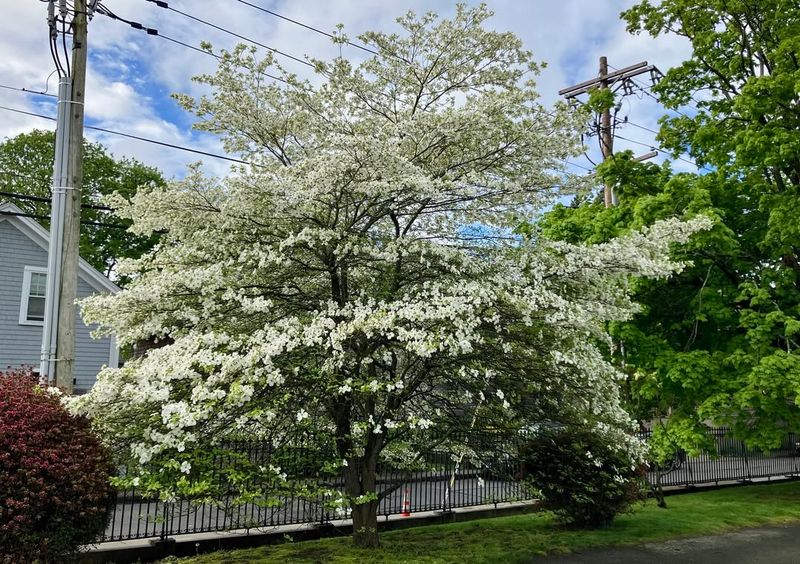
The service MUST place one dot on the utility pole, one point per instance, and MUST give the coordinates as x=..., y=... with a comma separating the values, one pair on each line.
x=58, y=336
x=65, y=348
x=606, y=137
x=605, y=80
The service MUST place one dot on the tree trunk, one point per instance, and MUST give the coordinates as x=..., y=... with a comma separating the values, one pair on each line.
x=658, y=489
x=360, y=477
x=365, y=525
x=360, y=481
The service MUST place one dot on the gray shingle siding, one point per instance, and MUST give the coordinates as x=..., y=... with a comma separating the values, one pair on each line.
x=21, y=344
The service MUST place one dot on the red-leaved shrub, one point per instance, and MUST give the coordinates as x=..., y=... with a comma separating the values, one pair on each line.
x=54, y=475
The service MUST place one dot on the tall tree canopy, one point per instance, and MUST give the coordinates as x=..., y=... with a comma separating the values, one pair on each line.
x=26, y=167
x=362, y=276
x=718, y=343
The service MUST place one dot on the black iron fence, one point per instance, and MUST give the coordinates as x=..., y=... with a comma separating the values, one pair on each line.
x=728, y=460
x=467, y=469
x=478, y=468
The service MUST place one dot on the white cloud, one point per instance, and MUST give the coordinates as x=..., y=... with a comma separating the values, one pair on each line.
x=131, y=74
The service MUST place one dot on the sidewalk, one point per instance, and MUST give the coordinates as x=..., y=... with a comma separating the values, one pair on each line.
x=764, y=545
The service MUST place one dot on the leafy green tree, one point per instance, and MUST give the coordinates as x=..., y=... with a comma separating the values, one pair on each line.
x=719, y=342
x=26, y=167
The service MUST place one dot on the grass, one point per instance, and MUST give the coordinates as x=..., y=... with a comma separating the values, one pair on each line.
x=520, y=537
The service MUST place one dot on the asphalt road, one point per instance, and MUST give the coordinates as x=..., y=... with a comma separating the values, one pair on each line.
x=765, y=545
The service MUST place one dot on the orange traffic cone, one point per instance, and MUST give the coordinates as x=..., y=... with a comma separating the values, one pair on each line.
x=406, y=502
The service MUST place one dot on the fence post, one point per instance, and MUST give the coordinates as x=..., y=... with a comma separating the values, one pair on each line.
x=794, y=446
x=746, y=462
x=164, y=528
x=165, y=546
x=689, y=473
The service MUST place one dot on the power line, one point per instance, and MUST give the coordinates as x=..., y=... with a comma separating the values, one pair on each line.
x=187, y=45
x=53, y=19
x=43, y=199
x=647, y=89
x=27, y=91
x=656, y=98
x=640, y=127
x=166, y=6
x=162, y=143
x=301, y=24
x=586, y=168
x=644, y=89
x=653, y=148
x=102, y=10
x=24, y=196
x=588, y=158
x=47, y=218
x=137, y=137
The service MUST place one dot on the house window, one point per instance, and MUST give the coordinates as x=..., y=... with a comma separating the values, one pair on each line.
x=34, y=290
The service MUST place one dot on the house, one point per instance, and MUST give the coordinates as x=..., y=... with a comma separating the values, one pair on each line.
x=23, y=279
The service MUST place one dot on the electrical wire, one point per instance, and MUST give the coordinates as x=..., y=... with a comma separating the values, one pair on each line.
x=644, y=89
x=27, y=91
x=32, y=198
x=47, y=218
x=570, y=163
x=103, y=10
x=301, y=24
x=657, y=99
x=137, y=137
x=588, y=158
x=192, y=47
x=656, y=132
x=23, y=196
x=54, y=51
x=152, y=32
x=166, y=6
x=64, y=44
x=640, y=127
x=658, y=150
x=170, y=145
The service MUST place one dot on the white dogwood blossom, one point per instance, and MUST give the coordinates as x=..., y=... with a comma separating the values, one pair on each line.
x=362, y=274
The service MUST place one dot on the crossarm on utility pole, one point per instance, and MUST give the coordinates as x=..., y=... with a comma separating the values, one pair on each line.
x=607, y=80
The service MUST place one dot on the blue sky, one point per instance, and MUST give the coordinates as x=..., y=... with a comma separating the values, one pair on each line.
x=131, y=75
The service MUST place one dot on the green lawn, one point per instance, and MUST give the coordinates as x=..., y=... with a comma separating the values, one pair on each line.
x=518, y=538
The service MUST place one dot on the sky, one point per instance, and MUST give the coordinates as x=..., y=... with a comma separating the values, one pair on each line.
x=131, y=75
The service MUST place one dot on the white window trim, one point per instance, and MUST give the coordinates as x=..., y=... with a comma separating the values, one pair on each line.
x=113, y=353
x=26, y=290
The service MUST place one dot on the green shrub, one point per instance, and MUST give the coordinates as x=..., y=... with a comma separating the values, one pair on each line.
x=54, y=475
x=585, y=476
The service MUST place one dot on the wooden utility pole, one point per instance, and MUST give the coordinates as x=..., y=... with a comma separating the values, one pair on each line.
x=606, y=80
x=65, y=338
x=606, y=137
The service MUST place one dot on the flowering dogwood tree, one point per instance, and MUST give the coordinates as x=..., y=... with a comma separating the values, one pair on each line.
x=362, y=274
